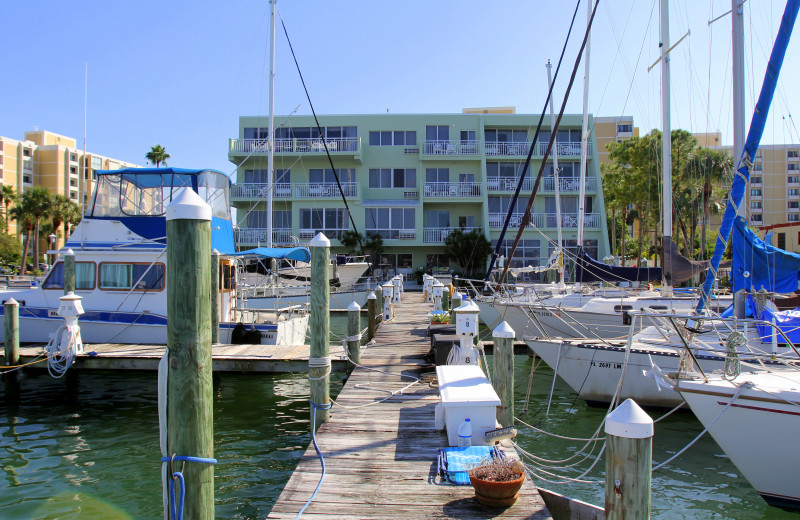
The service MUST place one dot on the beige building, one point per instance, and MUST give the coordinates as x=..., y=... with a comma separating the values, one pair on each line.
x=51, y=160
x=612, y=130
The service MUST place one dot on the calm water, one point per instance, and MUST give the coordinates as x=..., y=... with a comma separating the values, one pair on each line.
x=91, y=451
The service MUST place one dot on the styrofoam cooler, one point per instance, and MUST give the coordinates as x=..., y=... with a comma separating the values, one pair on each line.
x=466, y=393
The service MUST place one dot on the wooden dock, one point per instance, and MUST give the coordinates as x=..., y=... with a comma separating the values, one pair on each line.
x=226, y=358
x=381, y=459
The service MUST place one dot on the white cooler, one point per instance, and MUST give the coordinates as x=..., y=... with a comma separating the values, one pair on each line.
x=466, y=393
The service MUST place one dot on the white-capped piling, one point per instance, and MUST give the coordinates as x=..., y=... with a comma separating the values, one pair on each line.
x=503, y=380
x=190, y=411
x=456, y=303
x=387, y=290
x=214, y=297
x=371, y=310
x=69, y=271
x=629, y=455
x=467, y=331
x=319, y=361
x=397, y=282
x=378, y=290
x=437, y=289
x=11, y=346
x=354, y=332
x=427, y=285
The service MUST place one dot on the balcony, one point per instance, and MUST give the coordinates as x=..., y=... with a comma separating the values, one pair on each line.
x=547, y=220
x=318, y=190
x=337, y=146
x=507, y=149
x=394, y=234
x=566, y=149
x=568, y=184
x=506, y=184
x=259, y=236
x=453, y=189
x=308, y=234
x=438, y=235
x=451, y=148
x=260, y=191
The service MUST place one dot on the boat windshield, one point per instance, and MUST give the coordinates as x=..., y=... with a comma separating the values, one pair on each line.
x=137, y=194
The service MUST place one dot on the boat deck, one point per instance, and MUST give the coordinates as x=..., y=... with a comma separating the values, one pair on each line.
x=381, y=459
x=226, y=358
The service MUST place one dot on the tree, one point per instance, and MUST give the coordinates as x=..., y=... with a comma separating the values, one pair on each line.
x=469, y=250
x=22, y=213
x=39, y=203
x=715, y=168
x=10, y=248
x=373, y=246
x=8, y=196
x=61, y=212
x=157, y=155
x=351, y=239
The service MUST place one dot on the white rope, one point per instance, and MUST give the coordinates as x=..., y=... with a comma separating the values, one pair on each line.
x=60, y=351
x=319, y=362
x=357, y=337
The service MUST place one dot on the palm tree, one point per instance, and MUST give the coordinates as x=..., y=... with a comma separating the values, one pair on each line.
x=21, y=212
x=157, y=154
x=8, y=196
x=72, y=215
x=61, y=211
x=37, y=200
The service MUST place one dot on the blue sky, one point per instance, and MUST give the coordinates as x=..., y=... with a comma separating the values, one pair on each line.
x=181, y=73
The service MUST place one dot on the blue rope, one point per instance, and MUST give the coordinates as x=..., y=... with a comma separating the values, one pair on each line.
x=177, y=508
x=314, y=408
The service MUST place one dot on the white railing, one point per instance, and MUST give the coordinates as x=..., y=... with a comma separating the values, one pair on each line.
x=496, y=220
x=518, y=148
x=324, y=189
x=437, y=235
x=260, y=190
x=401, y=234
x=310, y=145
x=568, y=184
x=546, y=220
x=567, y=148
x=259, y=236
x=452, y=148
x=453, y=189
x=308, y=234
x=507, y=184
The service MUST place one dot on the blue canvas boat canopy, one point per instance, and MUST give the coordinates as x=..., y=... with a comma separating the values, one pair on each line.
x=587, y=269
x=758, y=265
x=301, y=254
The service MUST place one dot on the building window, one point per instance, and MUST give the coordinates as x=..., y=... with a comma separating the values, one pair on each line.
x=281, y=219
x=73, y=170
x=506, y=135
x=793, y=167
x=437, y=133
x=437, y=219
x=757, y=180
x=320, y=176
x=437, y=175
x=393, y=138
x=794, y=204
x=757, y=192
x=756, y=217
x=389, y=222
x=73, y=183
x=781, y=240
x=563, y=136
x=757, y=167
x=97, y=163
x=73, y=195
x=73, y=157
x=392, y=178
x=792, y=192
x=331, y=221
x=792, y=154
x=755, y=204
x=793, y=217
x=282, y=176
x=26, y=152
x=466, y=221
x=793, y=179
x=26, y=179
x=625, y=128
x=436, y=261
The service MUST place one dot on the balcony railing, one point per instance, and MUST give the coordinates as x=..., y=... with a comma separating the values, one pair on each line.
x=305, y=145
x=568, y=184
x=566, y=149
x=453, y=189
x=514, y=149
x=547, y=220
x=253, y=190
x=308, y=234
x=438, y=235
x=396, y=234
x=506, y=184
x=316, y=190
x=259, y=236
x=452, y=148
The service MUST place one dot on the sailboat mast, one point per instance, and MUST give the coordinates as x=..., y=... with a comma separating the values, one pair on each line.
x=666, y=153
x=271, y=135
x=584, y=135
x=560, y=246
x=737, y=41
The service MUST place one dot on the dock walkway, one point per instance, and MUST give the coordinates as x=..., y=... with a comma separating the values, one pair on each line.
x=381, y=459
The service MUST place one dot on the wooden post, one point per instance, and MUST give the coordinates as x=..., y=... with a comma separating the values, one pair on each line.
x=189, y=389
x=629, y=454
x=69, y=272
x=379, y=296
x=353, y=330
x=319, y=367
x=446, y=299
x=371, y=318
x=503, y=379
x=214, y=297
x=11, y=347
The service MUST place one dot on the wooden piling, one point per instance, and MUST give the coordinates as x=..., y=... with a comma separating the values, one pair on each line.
x=189, y=388
x=371, y=318
x=11, y=347
x=69, y=272
x=503, y=379
x=319, y=359
x=445, y=299
x=378, y=296
x=353, y=331
x=214, y=297
x=629, y=455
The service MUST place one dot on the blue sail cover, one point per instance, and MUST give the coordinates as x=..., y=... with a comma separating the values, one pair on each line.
x=742, y=176
x=766, y=266
x=587, y=269
x=289, y=253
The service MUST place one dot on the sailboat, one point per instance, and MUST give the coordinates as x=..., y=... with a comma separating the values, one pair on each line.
x=602, y=370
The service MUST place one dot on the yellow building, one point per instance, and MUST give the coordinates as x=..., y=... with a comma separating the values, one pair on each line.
x=612, y=130
x=54, y=161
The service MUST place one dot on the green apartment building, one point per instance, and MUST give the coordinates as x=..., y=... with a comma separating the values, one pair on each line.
x=413, y=178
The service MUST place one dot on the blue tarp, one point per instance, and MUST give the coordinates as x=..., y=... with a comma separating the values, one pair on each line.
x=767, y=267
x=290, y=253
x=787, y=321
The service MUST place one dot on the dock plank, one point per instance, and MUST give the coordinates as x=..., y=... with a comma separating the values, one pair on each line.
x=381, y=459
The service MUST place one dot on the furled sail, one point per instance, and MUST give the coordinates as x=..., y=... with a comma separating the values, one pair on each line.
x=682, y=268
x=587, y=269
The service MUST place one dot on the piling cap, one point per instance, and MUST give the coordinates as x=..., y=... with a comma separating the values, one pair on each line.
x=372, y=296
x=628, y=420
x=187, y=205
x=503, y=330
x=320, y=241
x=354, y=307
x=467, y=308
x=69, y=252
x=12, y=301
